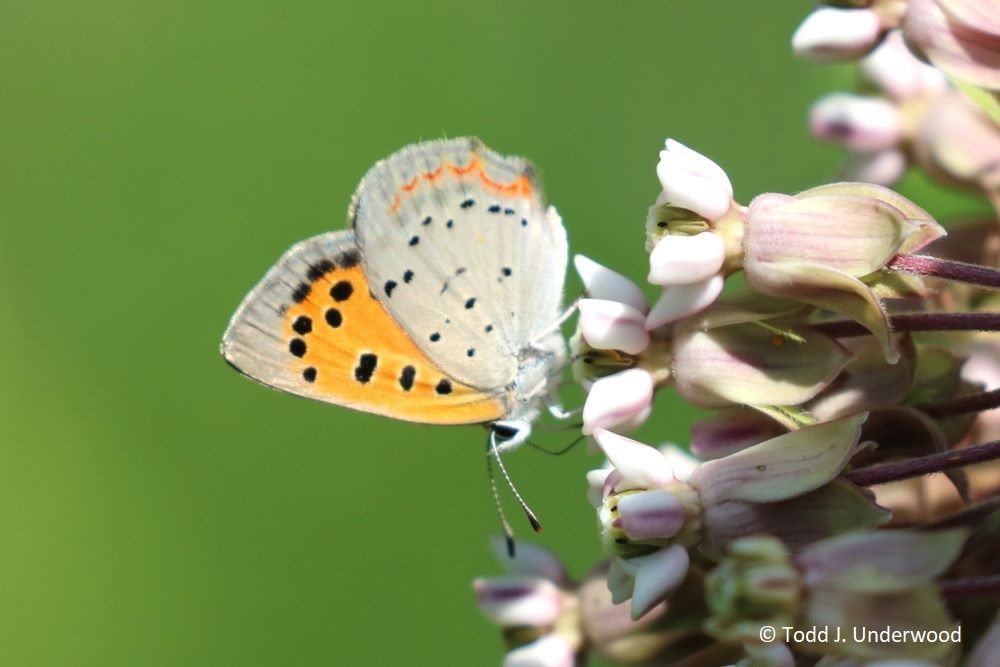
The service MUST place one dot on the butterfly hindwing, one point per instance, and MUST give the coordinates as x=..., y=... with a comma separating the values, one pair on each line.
x=461, y=250
x=313, y=327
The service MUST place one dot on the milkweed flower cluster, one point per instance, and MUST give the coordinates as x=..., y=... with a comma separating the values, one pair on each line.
x=847, y=476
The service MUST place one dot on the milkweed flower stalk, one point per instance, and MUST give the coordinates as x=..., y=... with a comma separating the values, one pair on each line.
x=844, y=343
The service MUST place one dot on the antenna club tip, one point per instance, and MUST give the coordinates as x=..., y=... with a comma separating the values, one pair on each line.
x=535, y=524
x=510, y=546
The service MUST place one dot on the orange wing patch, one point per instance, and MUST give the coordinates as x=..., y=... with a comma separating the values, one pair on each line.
x=348, y=350
x=520, y=187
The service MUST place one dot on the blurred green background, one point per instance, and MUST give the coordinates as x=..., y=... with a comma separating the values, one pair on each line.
x=157, y=157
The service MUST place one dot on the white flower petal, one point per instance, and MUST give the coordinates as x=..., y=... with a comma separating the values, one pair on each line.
x=855, y=122
x=616, y=399
x=509, y=601
x=883, y=167
x=641, y=466
x=682, y=260
x=692, y=181
x=530, y=559
x=547, y=651
x=893, y=68
x=681, y=461
x=603, y=283
x=831, y=33
x=657, y=576
x=612, y=325
x=679, y=301
x=595, y=485
x=620, y=582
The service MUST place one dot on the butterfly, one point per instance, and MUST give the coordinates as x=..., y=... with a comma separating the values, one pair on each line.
x=439, y=304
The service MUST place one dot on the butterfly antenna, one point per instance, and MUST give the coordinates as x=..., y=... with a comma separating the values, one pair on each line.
x=494, y=454
x=508, y=532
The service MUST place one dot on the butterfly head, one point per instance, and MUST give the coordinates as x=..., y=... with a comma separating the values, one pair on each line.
x=510, y=433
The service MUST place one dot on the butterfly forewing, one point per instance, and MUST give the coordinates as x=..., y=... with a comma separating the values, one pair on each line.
x=459, y=247
x=313, y=327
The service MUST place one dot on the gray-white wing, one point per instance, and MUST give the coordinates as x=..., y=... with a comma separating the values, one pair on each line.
x=459, y=246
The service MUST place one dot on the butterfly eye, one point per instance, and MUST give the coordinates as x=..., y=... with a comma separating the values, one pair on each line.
x=505, y=432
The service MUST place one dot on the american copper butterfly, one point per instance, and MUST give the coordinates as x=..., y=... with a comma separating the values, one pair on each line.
x=437, y=305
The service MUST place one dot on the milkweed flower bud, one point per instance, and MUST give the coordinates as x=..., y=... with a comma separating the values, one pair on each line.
x=535, y=605
x=829, y=246
x=649, y=516
x=834, y=33
x=858, y=579
x=962, y=37
x=855, y=122
x=885, y=167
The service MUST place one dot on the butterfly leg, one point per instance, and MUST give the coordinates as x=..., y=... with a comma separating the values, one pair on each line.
x=557, y=325
x=559, y=412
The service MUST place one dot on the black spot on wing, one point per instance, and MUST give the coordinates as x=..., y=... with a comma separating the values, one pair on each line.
x=470, y=302
x=443, y=387
x=428, y=220
x=414, y=240
x=334, y=318
x=319, y=269
x=342, y=291
x=302, y=325
x=406, y=377
x=508, y=211
x=309, y=374
x=407, y=276
x=494, y=209
x=435, y=337
x=349, y=259
x=389, y=286
x=468, y=203
x=366, y=367
x=301, y=293
x=297, y=347
x=471, y=352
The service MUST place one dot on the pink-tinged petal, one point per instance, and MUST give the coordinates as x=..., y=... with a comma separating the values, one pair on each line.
x=830, y=34
x=530, y=560
x=747, y=364
x=891, y=561
x=969, y=52
x=595, y=485
x=783, y=467
x=855, y=122
x=657, y=576
x=616, y=399
x=693, y=182
x=982, y=14
x=650, y=515
x=893, y=68
x=682, y=260
x=731, y=431
x=958, y=140
x=620, y=581
x=853, y=233
x=885, y=167
x=509, y=601
x=923, y=228
x=641, y=466
x=679, y=301
x=681, y=462
x=548, y=651
x=603, y=283
x=612, y=325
